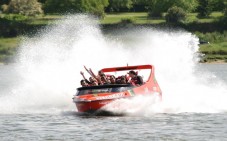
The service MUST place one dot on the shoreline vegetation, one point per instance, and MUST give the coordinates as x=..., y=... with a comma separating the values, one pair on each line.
x=212, y=37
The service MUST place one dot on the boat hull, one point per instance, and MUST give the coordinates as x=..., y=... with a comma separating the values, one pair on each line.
x=92, y=106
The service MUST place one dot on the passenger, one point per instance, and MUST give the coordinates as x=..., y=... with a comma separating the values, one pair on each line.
x=91, y=79
x=98, y=77
x=112, y=79
x=135, y=79
x=104, y=80
x=83, y=83
x=100, y=73
x=92, y=74
x=88, y=82
x=94, y=83
x=123, y=80
x=118, y=80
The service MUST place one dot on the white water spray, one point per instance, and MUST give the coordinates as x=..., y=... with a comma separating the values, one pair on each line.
x=50, y=63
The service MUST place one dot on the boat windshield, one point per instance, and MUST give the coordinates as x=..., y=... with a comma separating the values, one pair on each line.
x=107, y=89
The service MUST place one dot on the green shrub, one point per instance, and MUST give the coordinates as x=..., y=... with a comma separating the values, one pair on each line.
x=127, y=21
x=204, y=8
x=24, y=7
x=224, y=19
x=175, y=15
x=15, y=17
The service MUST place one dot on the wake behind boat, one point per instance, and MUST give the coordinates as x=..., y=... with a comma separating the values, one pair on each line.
x=92, y=99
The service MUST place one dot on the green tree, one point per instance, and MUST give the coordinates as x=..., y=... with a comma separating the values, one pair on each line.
x=95, y=7
x=4, y=2
x=186, y=5
x=24, y=7
x=225, y=12
x=62, y=6
x=223, y=20
x=42, y=1
x=175, y=15
x=117, y=5
x=140, y=5
x=204, y=8
x=217, y=5
x=157, y=7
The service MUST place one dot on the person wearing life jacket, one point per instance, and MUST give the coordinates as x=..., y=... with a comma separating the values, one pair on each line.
x=135, y=79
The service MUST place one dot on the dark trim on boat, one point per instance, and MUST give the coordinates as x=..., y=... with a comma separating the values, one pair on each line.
x=105, y=86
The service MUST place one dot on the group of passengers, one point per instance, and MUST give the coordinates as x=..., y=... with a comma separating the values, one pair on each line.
x=103, y=79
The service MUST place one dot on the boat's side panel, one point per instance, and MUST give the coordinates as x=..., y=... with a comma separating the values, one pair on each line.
x=92, y=105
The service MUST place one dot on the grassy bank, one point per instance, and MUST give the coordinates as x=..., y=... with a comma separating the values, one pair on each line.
x=214, y=52
x=8, y=47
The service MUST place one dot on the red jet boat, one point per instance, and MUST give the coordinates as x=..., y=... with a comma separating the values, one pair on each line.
x=92, y=98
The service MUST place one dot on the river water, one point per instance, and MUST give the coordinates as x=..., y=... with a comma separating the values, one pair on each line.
x=36, y=91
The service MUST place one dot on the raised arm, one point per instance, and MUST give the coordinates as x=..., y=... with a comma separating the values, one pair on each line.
x=82, y=73
x=88, y=70
x=92, y=73
x=96, y=77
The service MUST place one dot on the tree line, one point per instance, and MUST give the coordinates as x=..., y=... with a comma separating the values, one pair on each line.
x=154, y=8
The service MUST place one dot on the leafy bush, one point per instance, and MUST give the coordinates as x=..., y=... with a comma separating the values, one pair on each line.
x=175, y=15
x=24, y=7
x=127, y=21
x=204, y=8
x=15, y=17
x=224, y=19
x=95, y=7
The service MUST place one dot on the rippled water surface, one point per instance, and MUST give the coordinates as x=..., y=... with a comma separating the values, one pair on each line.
x=68, y=126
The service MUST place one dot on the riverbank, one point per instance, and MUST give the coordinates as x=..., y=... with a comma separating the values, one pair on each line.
x=215, y=62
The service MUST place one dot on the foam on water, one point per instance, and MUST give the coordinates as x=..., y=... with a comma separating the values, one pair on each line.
x=49, y=67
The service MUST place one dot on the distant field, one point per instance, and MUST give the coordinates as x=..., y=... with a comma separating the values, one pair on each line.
x=137, y=18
